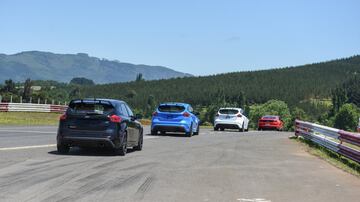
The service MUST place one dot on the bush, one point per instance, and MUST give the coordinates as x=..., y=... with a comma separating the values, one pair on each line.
x=347, y=118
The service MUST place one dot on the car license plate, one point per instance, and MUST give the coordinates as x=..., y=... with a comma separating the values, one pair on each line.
x=227, y=117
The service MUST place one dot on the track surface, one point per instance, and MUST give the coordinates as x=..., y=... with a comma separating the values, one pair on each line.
x=214, y=166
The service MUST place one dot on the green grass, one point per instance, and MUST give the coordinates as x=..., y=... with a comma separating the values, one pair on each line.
x=331, y=157
x=28, y=118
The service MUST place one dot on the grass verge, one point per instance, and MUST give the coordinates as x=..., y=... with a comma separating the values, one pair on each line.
x=28, y=118
x=331, y=157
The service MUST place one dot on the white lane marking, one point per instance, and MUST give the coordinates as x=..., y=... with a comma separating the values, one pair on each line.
x=27, y=147
x=29, y=131
x=150, y=137
x=253, y=200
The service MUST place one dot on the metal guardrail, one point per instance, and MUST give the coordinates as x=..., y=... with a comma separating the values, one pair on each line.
x=330, y=138
x=28, y=107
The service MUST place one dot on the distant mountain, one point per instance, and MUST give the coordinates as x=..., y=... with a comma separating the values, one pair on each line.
x=63, y=67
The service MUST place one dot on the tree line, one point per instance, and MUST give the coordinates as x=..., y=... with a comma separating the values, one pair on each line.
x=315, y=92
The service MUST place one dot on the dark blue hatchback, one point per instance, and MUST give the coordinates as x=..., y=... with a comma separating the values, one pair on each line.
x=99, y=123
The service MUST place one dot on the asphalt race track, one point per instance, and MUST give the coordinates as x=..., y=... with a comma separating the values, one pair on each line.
x=214, y=166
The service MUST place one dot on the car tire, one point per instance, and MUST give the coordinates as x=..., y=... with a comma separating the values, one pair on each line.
x=163, y=132
x=216, y=128
x=63, y=149
x=222, y=129
x=154, y=132
x=259, y=129
x=197, y=130
x=140, y=143
x=122, y=149
x=242, y=129
x=190, y=133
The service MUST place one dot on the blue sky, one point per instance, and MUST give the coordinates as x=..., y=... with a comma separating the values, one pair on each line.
x=194, y=36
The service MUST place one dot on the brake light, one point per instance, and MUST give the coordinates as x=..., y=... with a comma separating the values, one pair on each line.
x=186, y=114
x=63, y=117
x=239, y=115
x=155, y=113
x=115, y=118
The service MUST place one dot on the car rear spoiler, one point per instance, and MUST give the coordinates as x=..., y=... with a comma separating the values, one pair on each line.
x=91, y=101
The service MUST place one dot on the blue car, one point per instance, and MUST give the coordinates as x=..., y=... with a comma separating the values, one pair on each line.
x=175, y=117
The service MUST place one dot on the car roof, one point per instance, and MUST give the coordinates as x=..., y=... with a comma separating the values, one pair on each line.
x=174, y=103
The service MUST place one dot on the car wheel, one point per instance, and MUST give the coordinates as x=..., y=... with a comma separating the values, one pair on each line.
x=216, y=128
x=140, y=143
x=163, y=133
x=153, y=132
x=197, y=130
x=222, y=129
x=122, y=149
x=63, y=149
x=259, y=129
x=190, y=133
x=242, y=129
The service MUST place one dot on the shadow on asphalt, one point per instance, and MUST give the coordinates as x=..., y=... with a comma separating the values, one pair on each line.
x=89, y=152
x=180, y=135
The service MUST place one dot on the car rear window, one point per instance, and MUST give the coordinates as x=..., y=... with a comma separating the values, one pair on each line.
x=228, y=111
x=171, y=108
x=91, y=108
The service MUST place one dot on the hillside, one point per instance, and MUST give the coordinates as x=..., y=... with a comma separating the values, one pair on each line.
x=291, y=84
x=63, y=67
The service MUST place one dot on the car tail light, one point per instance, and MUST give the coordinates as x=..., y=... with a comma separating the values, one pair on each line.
x=186, y=114
x=154, y=113
x=63, y=117
x=239, y=115
x=115, y=118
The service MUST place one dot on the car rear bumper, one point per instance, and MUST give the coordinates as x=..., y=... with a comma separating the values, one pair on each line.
x=170, y=127
x=269, y=127
x=87, y=138
x=167, y=128
x=227, y=124
x=86, y=142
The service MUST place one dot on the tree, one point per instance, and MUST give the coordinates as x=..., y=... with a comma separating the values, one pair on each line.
x=27, y=89
x=9, y=86
x=139, y=77
x=131, y=94
x=82, y=81
x=347, y=118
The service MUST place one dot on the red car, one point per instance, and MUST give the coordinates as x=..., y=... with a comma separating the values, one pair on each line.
x=270, y=122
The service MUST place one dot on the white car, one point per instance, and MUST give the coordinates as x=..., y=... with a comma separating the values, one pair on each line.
x=231, y=118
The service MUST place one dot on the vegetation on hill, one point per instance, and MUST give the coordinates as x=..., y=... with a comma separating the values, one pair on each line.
x=314, y=92
x=39, y=65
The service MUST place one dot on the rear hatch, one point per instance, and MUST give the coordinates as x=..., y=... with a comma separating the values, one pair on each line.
x=268, y=120
x=228, y=114
x=89, y=115
x=170, y=113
